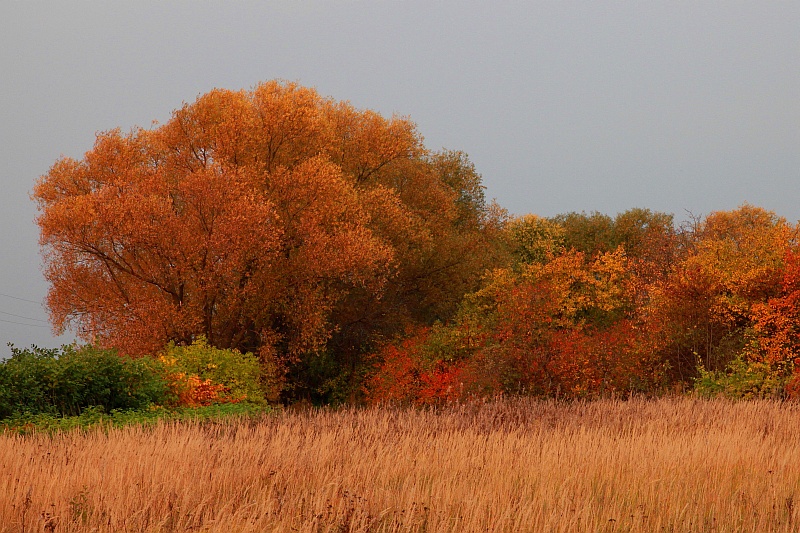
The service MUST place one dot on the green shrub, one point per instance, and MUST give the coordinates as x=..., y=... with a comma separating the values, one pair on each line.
x=26, y=381
x=239, y=373
x=742, y=380
x=92, y=377
x=66, y=381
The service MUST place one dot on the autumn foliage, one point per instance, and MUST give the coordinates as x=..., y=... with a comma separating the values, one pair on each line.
x=591, y=306
x=272, y=220
x=566, y=327
x=355, y=262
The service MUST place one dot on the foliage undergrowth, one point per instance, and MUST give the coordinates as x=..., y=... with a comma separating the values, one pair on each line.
x=84, y=387
x=202, y=375
x=743, y=380
x=64, y=382
x=96, y=418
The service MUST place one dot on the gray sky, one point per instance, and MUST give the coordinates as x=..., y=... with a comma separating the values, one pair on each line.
x=562, y=106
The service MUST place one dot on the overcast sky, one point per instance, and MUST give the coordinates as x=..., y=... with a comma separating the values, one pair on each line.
x=562, y=106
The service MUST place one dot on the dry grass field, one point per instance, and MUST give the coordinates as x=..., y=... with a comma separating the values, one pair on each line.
x=681, y=465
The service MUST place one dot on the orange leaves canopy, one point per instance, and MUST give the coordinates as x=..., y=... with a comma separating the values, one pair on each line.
x=245, y=218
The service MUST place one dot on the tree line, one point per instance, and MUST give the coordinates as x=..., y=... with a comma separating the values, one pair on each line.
x=357, y=264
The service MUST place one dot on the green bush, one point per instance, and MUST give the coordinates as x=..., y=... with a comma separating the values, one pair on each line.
x=26, y=382
x=742, y=380
x=240, y=373
x=66, y=381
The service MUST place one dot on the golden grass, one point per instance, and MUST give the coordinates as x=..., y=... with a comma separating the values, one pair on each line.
x=680, y=465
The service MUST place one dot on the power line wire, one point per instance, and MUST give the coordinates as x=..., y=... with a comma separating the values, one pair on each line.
x=25, y=317
x=21, y=299
x=23, y=324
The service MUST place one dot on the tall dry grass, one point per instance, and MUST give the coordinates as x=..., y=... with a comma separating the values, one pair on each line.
x=669, y=465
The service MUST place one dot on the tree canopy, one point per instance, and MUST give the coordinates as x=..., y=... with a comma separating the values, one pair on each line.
x=271, y=220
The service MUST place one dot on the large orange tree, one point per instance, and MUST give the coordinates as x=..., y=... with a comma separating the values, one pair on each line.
x=272, y=220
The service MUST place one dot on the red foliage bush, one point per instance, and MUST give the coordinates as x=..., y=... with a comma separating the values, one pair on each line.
x=406, y=374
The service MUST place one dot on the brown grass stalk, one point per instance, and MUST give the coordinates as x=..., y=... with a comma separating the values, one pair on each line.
x=681, y=465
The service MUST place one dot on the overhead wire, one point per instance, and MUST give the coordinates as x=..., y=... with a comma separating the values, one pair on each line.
x=21, y=299
x=25, y=317
x=22, y=316
x=23, y=324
